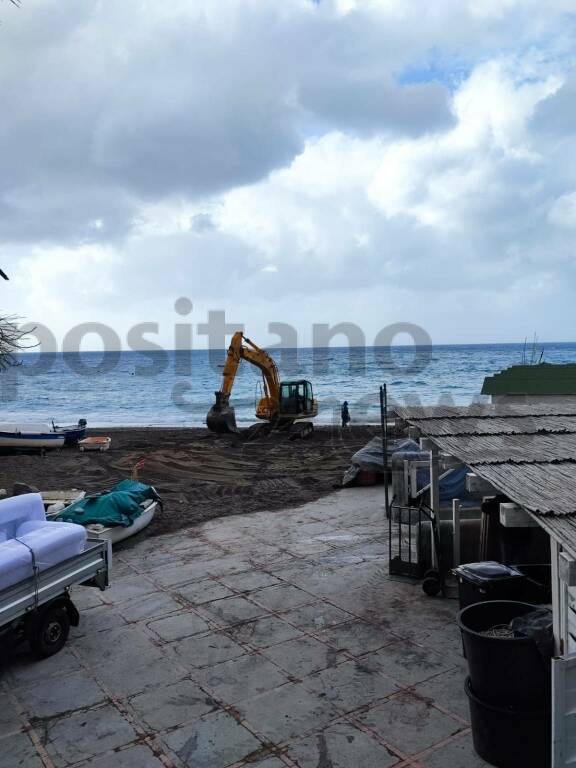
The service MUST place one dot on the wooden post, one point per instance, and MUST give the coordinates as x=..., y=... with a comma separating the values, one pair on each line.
x=456, y=529
x=557, y=599
x=434, y=497
x=384, y=428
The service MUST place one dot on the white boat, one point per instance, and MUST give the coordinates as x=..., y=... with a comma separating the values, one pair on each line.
x=95, y=443
x=56, y=501
x=116, y=533
x=26, y=435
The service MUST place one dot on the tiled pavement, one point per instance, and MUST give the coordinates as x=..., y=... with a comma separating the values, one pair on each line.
x=265, y=640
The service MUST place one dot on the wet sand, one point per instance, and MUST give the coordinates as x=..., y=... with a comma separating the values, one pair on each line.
x=200, y=475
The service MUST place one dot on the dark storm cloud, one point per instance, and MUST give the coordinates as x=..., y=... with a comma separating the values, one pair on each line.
x=378, y=105
x=109, y=105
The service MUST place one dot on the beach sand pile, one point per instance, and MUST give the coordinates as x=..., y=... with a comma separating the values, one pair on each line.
x=200, y=475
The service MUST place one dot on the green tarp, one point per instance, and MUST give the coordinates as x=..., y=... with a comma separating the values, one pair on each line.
x=119, y=506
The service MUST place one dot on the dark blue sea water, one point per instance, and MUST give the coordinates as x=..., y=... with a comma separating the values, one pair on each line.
x=176, y=388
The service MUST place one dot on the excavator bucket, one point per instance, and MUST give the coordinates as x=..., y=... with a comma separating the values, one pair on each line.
x=221, y=417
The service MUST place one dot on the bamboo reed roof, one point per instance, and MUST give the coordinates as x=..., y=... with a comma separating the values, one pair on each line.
x=526, y=451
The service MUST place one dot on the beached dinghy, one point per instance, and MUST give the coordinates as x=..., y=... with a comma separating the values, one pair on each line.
x=116, y=533
x=73, y=433
x=116, y=514
x=31, y=435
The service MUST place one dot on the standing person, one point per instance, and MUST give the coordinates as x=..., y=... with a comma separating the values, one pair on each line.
x=345, y=413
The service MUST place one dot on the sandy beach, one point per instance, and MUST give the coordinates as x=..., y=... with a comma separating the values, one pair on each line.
x=200, y=475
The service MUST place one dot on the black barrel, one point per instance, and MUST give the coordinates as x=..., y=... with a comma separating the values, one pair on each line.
x=537, y=587
x=510, y=737
x=503, y=669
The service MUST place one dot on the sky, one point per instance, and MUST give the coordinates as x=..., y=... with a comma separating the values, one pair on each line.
x=369, y=162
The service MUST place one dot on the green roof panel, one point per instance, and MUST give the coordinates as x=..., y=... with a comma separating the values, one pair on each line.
x=541, y=379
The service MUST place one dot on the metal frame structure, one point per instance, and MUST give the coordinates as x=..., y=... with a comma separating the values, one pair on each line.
x=91, y=567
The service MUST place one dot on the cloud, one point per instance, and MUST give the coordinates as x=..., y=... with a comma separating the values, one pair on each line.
x=290, y=152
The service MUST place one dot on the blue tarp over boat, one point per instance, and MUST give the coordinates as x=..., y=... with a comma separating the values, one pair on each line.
x=119, y=506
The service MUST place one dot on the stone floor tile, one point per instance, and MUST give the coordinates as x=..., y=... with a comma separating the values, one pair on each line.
x=215, y=741
x=207, y=650
x=200, y=592
x=282, y=597
x=408, y=723
x=58, y=695
x=338, y=557
x=127, y=588
x=124, y=680
x=268, y=762
x=314, y=579
x=176, y=575
x=10, y=722
x=132, y=757
x=96, y=620
x=148, y=607
x=149, y=562
x=447, y=690
x=302, y=656
x=409, y=663
x=229, y=564
x=316, y=617
x=122, y=645
x=357, y=637
x=178, y=625
x=250, y=581
x=350, y=685
x=232, y=610
x=288, y=712
x=170, y=705
x=71, y=739
x=445, y=639
x=241, y=678
x=263, y=633
x=86, y=598
x=458, y=753
x=307, y=547
x=341, y=746
x=25, y=669
x=17, y=751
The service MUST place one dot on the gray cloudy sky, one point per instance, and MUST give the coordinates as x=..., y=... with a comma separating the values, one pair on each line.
x=369, y=161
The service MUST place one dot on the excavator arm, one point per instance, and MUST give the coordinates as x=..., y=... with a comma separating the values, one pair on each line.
x=221, y=417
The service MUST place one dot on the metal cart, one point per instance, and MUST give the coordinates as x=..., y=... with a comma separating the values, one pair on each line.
x=406, y=528
x=40, y=610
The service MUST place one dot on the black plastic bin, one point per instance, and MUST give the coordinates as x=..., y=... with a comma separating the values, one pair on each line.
x=537, y=587
x=508, y=736
x=503, y=670
x=478, y=582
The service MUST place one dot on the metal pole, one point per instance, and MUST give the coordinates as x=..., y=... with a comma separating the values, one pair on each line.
x=384, y=427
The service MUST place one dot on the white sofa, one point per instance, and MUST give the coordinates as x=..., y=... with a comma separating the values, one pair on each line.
x=28, y=540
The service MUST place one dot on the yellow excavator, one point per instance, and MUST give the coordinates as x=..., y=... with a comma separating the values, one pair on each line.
x=282, y=402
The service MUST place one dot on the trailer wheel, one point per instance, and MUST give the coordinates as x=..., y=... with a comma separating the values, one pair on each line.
x=50, y=632
x=432, y=584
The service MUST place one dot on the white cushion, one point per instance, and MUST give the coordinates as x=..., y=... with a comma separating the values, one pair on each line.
x=19, y=509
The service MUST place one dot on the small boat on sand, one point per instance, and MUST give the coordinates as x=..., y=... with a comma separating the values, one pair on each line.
x=115, y=514
x=95, y=443
x=29, y=435
x=73, y=433
x=116, y=533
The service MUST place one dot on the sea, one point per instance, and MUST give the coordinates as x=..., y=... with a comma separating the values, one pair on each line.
x=176, y=388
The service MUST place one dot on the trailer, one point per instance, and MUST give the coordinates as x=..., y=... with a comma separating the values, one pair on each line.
x=39, y=610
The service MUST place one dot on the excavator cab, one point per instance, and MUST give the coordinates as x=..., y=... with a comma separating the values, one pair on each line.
x=297, y=400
